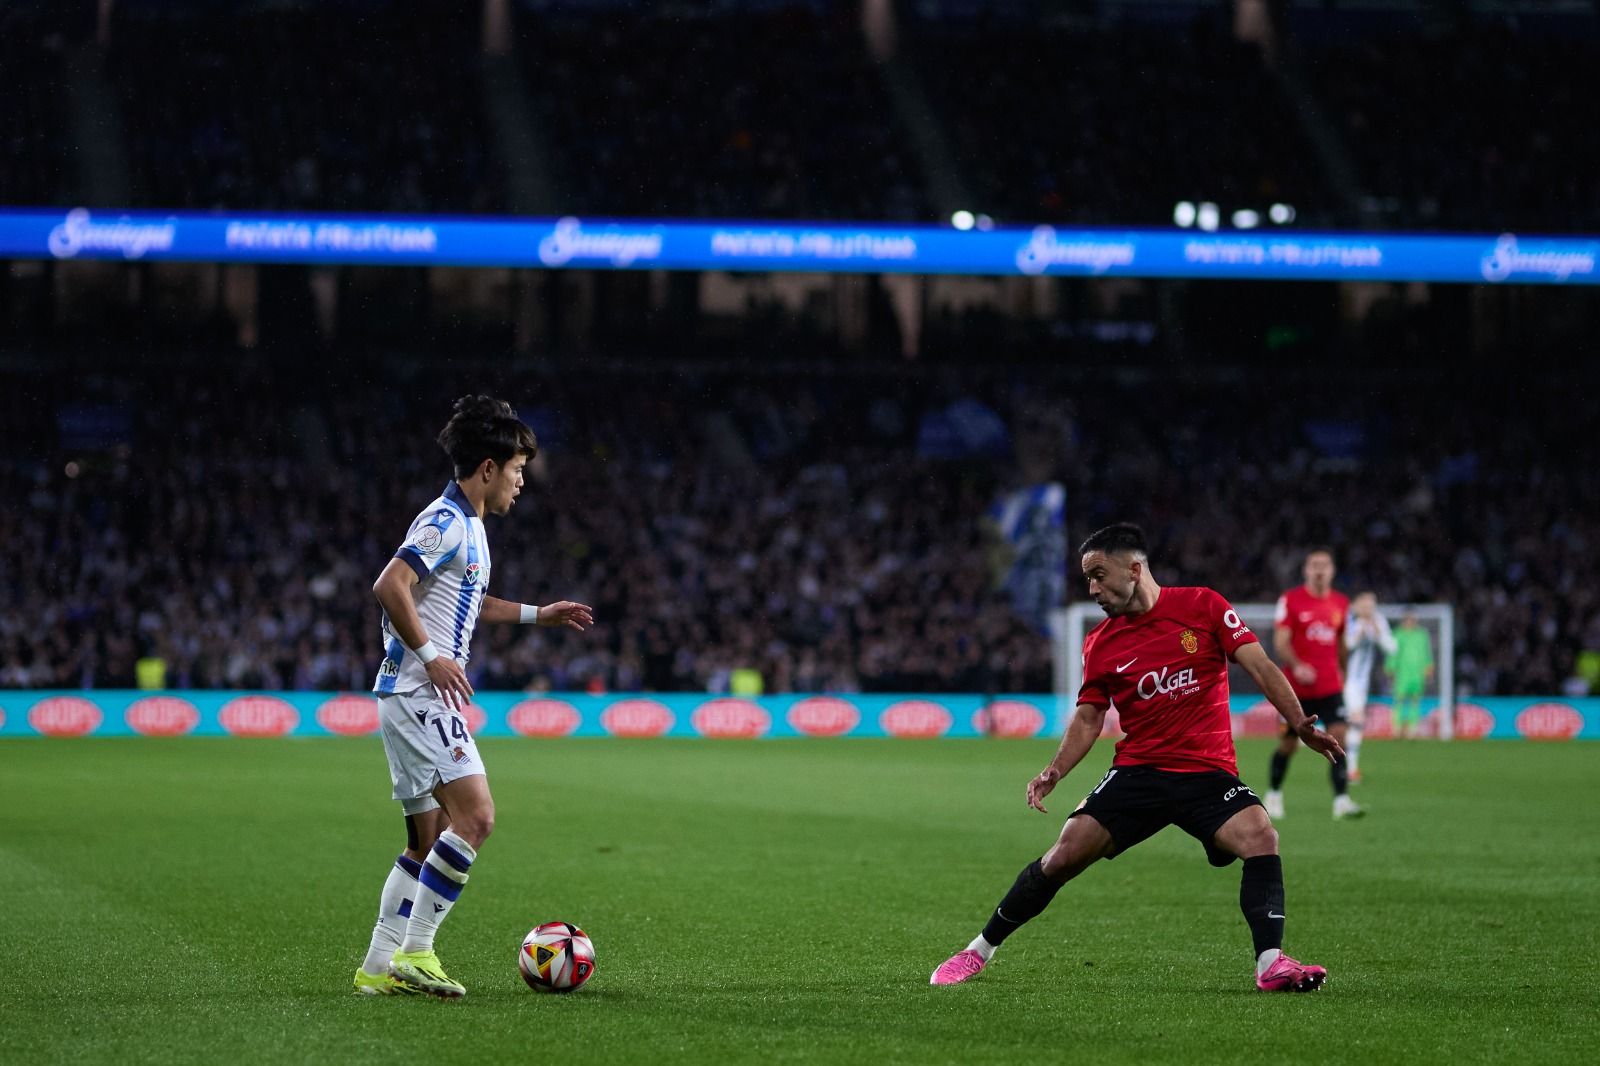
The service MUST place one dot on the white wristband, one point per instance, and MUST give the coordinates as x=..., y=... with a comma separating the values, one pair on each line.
x=426, y=653
x=530, y=615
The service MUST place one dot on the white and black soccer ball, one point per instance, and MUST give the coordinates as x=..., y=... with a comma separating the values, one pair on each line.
x=556, y=957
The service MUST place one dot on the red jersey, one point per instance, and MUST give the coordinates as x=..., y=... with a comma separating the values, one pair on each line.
x=1167, y=673
x=1316, y=633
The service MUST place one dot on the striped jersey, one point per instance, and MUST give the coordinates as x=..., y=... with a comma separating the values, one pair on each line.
x=449, y=552
x=1364, y=639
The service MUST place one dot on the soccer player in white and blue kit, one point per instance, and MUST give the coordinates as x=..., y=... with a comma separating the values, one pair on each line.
x=1365, y=636
x=434, y=592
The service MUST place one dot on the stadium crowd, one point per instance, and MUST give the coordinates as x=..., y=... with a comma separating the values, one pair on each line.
x=231, y=526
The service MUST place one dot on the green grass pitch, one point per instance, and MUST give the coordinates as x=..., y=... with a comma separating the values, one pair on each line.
x=207, y=901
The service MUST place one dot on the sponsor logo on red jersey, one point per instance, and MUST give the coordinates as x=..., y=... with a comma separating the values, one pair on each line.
x=65, y=716
x=824, y=716
x=544, y=718
x=259, y=716
x=915, y=718
x=1473, y=721
x=1009, y=718
x=730, y=717
x=636, y=718
x=1550, y=721
x=162, y=716
x=349, y=715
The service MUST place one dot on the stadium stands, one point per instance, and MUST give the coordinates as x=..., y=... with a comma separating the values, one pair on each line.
x=323, y=108
x=786, y=522
x=1487, y=126
x=763, y=114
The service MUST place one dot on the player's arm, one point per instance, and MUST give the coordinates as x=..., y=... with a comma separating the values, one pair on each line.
x=1283, y=648
x=1082, y=732
x=393, y=589
x=1276, y=688
x=561, y=613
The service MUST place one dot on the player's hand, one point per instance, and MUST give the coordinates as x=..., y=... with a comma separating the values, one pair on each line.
x=566, y=613
x=1041, y=786
x=1318, y=741
x=450, y=681
x=1305, y=673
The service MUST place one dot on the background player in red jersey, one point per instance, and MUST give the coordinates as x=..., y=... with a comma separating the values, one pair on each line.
x=1162, y=657
x=1308, y=638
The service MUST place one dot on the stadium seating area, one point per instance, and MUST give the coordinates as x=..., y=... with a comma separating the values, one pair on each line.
x=322, y=109
x=789, y=523
x=1116, y=124
x=1469, y=149
x=760, y=114
x=33, y=167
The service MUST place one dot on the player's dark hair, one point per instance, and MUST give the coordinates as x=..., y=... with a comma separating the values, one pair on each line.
x=483, y=427
x=1121, y=537
x=1320, y=549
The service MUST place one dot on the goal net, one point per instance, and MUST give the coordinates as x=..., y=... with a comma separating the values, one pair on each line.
x=1068, y=625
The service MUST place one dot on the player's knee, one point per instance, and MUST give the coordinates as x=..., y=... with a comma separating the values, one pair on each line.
x=476, y=825
x=1263, y=841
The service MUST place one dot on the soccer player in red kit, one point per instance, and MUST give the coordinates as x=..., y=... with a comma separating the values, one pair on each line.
x=1162, y=657
x=1308, y=637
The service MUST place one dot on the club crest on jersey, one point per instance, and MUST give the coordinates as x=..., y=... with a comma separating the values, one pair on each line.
x=473, y=571
x=458, y=755
x=1190, y=642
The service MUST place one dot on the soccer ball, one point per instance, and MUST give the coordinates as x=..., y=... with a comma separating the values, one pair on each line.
x=556, y=957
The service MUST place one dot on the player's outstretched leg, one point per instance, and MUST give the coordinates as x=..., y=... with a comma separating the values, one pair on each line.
x=394, y=909
x=1249, y=834
x=1083, y=841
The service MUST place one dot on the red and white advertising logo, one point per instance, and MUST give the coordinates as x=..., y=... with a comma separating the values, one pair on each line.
x=1550, y=721
x=916, y=718
x=349, y=715
x=259, y=716
x=636, y=718
x=162, y=716
x=731, y=718
x=824, y=716
x=544, y=718
x=476, y=718
x=1261, y=720
x=65, y=716
x=1008, y=718
x=1473, y=721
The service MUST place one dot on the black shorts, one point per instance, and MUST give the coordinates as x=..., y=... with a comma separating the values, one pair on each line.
x=1328, y=709
x=1135, y=803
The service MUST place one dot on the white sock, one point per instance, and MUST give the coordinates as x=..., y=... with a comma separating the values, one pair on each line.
x=444, y=874
x=982, y=947
x=394, y=908
x=1352, y=749
x=1266, y=959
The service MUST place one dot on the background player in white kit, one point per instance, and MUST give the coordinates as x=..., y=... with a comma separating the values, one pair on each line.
x=433, y=593
x=1366, y=634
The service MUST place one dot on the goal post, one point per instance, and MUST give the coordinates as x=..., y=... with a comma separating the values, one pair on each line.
x=1068, y=625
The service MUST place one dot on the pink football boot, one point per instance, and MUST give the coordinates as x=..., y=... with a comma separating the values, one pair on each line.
x=1287, y=975
x=962, y=966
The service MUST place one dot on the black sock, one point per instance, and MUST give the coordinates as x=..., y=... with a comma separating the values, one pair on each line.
x=1280, y=767
x=1340, y=773
x=1261, y=899
x=1029, y=895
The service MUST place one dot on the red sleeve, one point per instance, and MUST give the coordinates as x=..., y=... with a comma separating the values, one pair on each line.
x=1231, y=632
x=1093, y=691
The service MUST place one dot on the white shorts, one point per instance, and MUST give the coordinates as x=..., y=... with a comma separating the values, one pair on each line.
x=428, y=745
x=1355, y=702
